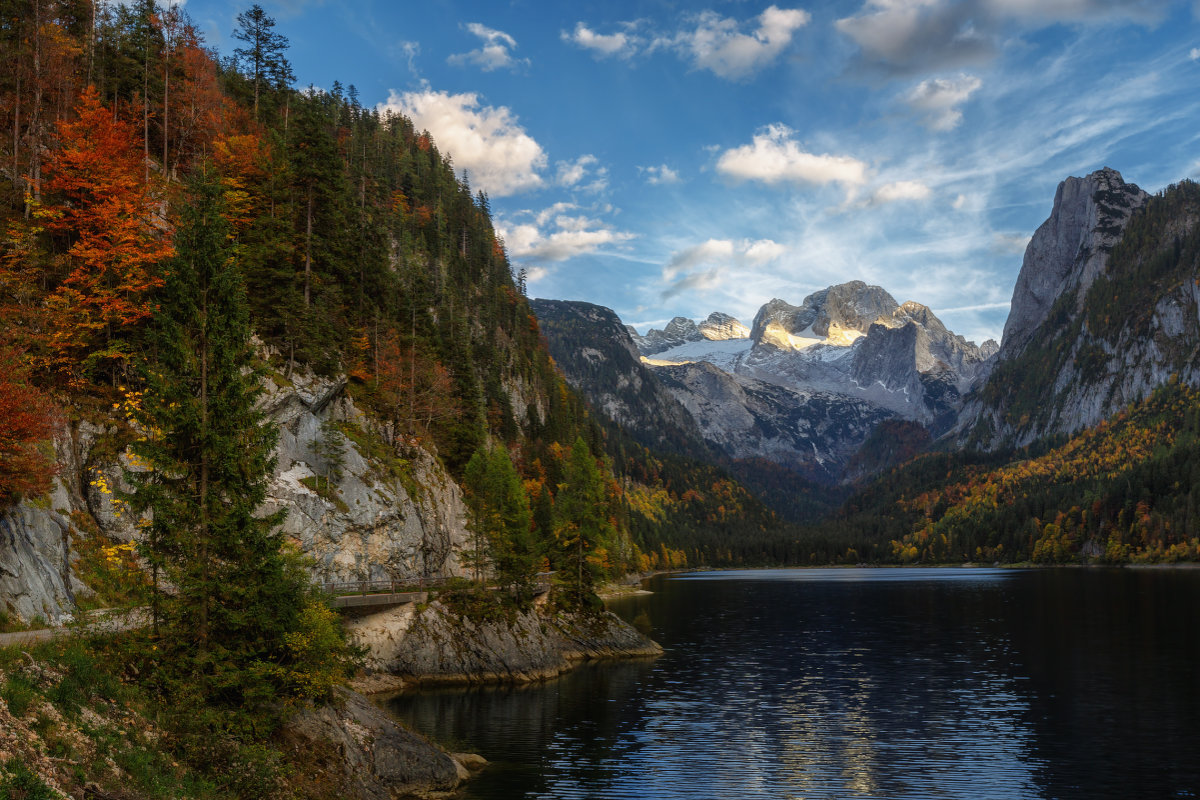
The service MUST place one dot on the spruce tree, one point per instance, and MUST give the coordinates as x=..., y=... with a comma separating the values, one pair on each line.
x=201, y=472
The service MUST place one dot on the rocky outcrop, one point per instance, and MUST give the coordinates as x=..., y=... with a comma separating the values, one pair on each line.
x=839, y=312
x=1074, y=352
x=678, y=331
x=720, y=327
x=433, y=645
x=35, y=577
x=362, y=512
x=366, y=754
x=359, y=509
x=1069, y=250
x=597, y=356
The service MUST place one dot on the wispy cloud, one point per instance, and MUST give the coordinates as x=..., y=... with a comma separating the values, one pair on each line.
x=937, y=100
x=494, y=52
x=583, y=173
x=729, y=48
x=657, y=176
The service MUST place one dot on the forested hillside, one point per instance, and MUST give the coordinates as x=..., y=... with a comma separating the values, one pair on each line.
x=362, y=253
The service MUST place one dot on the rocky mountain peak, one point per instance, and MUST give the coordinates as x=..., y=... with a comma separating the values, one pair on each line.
x=841, y=313
x=720, y=327
x=1070, y=249
x=680, y=330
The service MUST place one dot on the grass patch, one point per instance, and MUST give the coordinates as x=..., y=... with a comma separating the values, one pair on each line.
x=19, y=783
x=324, y=489
x=18, y=693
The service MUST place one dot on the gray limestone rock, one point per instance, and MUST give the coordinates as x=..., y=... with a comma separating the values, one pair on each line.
x=1069, y=250
x=720, y=327
x=372, y=756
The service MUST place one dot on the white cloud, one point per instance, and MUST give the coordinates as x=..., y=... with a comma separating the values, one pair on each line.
x=487, y=141
x=494, y=53
x=555, y=236
x=900, y=190
x=657, y=176
x=572, y=174
x=937, y=100
x=764, y=251
x=960, y=202
x=621, y=45
x=1194, y=54
x=717, y=44
x=775, y=157
x=709, y=41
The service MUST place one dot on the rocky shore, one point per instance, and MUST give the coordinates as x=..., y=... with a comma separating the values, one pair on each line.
x=430, y=645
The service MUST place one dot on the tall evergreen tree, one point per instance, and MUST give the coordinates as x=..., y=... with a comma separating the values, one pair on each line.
x=501, y=519
x=203, y=468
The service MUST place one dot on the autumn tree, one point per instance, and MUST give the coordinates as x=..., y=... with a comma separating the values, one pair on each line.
x=26, y=423
x=111, y=216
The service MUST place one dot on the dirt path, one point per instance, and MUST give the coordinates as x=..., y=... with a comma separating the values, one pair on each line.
x=103, y=621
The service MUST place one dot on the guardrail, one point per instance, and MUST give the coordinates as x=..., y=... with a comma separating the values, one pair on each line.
x=541, y=580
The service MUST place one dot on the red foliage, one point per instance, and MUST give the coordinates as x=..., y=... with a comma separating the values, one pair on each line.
x=112, y=214
x=26, y=419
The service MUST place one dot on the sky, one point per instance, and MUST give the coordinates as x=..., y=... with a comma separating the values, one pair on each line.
x=669, y=157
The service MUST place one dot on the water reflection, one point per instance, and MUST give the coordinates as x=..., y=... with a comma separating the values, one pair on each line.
x=862, y=683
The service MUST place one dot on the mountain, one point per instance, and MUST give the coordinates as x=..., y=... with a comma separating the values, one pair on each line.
x=1104, y=311
x=805, y=386
x=598, y=356
x=1082, y=444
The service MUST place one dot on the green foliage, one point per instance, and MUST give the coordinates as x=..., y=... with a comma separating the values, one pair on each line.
x=19, y=783
x=501, y=520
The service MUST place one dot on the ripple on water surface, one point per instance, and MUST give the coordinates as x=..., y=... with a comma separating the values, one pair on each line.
x=924, y=683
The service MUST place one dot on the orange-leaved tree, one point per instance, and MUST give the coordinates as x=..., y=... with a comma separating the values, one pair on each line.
x=27, y=421
x=113, y=218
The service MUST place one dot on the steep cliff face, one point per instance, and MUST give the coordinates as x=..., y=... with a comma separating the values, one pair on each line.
x=802, y=388
x=1106, y=309
x=1069, y=250
x=372, y=516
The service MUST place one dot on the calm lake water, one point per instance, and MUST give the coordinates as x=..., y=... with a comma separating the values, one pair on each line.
x=875, y=683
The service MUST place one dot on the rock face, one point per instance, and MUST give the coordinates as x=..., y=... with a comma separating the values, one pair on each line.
x=367, y=754
x=1069, y=250
x=812, y=433
x=1071, y=356
x=598, y=356
x=679, y=330
x=432, y=645
x=720, y=327
x=377, y=516
x=837, y=313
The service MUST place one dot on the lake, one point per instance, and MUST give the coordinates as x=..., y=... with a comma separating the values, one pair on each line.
x=862, y=683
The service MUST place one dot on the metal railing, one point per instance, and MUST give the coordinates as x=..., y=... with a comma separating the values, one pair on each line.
x=541, y=582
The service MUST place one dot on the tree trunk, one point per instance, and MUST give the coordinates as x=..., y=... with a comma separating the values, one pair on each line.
x=308, y=248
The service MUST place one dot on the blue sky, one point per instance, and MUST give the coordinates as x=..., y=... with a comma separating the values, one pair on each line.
x=671, y=158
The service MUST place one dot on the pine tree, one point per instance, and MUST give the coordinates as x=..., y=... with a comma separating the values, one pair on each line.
x=202, y=470
x=501, y=519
